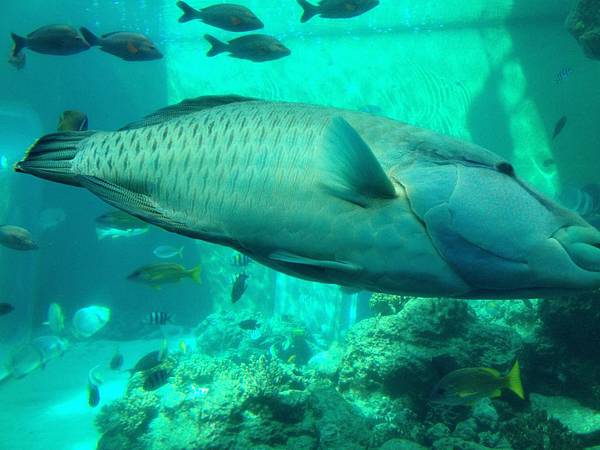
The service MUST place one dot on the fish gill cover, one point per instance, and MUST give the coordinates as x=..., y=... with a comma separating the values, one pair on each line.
x=307, y=166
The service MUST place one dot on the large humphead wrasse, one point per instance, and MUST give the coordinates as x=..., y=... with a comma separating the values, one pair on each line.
x=334, y=196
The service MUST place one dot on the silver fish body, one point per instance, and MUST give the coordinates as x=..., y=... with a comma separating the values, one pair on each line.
x=339, y=197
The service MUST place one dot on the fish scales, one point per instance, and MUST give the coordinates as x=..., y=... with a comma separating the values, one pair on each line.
x=218, y=165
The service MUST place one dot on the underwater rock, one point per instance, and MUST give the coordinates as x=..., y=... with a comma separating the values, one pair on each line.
x=401, y=444
x=339, y=425
x=466, y=430
x=387, y=304
x=327, y=363
x=453, y=443
x=581, y=421
x=559, y=315
x=534, y=430
x=404, y=355
x=437, y=432
x=584, y=24
x=485, y=414
x=127, y=419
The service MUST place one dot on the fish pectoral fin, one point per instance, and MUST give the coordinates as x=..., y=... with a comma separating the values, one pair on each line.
x=291, y=258
x=497, y=393
x=145, y=208
x=349, y=168
x=134, y=203
x=131, y=48
x=186, y=107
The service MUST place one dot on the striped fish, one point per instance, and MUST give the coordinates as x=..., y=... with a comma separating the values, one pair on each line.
x=334, y=196
x=158, y=318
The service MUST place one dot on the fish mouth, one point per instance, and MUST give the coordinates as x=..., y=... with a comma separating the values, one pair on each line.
x=582, y=244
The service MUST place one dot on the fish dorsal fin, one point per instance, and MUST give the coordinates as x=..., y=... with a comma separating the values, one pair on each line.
x=290, y=258
x=349, y=168
x=186, y=107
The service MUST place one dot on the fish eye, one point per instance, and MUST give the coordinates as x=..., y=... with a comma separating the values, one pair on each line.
x=506, y=168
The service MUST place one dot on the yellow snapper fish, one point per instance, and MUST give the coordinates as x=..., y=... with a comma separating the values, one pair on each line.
x=158, y=274
x=183, y=348
x=56, y=318
x=335, y=196
x=466, y=386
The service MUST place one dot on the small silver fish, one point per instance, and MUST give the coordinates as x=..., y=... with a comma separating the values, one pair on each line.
x=167, y=251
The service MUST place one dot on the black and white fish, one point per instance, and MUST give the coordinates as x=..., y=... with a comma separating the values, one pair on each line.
x=156, y=379
x=158, y=318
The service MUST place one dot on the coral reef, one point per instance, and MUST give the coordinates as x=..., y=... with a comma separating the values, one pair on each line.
x=276, y=388
x=566, y=356
x=584, y=24
x=405, y=354
x=387, y=304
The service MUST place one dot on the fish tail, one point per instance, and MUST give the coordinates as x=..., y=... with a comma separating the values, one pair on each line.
x=51, y=157
x=217, y=46
x=90, y=37
x=513, y=381
x=101, y=234
x=195, y=274
x=189, y=13
x=20, y=43
x=309, y=10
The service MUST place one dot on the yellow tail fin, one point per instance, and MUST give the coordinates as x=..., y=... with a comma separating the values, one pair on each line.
x=195, y=274
x=513, y=381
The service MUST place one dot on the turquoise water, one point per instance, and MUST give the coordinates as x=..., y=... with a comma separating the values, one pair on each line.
x=325, y=368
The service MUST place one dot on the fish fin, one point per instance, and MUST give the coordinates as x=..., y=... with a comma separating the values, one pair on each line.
x=217, y=46
x=189, y=106
x=347, y=290
x=309, y=10
x=497, y=393
x=513, y=381
x=20, y=43
x=350, y=169
x=90, y=37
x=196, y=275
x=180, y=252
x=131, y=48
x=50, y=157
x=134, y=203
x=291, y=258
x=100, y=234
x=189, y=13
x=145, y=208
